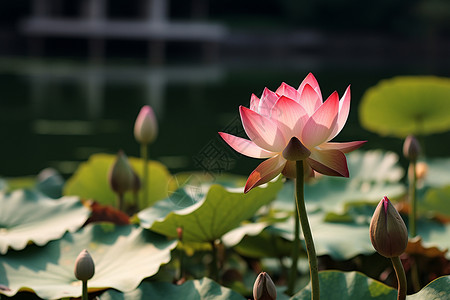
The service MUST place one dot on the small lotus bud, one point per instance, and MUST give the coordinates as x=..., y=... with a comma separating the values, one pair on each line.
x=411, y=148
x=388, y=232
x=84, y=266
x=146, y=127
x=295, y=150
x=121, y=178
x=264, y=288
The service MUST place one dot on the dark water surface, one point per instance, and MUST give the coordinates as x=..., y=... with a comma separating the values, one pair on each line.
x=57, y=113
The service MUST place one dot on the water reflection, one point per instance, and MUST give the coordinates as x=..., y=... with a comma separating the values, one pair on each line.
x=56, y=114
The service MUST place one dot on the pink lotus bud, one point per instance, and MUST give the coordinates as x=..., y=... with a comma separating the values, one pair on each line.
x=264, y=288
x=121, y=177
x=411, y=148
x=84, y=266
x=388, y=232
x=146, y=127
x=295, y=150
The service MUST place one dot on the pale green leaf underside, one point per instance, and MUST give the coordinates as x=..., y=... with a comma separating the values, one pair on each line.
x=30, y=217
x=123, y=256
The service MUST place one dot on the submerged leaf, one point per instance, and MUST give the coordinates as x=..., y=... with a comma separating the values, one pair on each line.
x=123, y=256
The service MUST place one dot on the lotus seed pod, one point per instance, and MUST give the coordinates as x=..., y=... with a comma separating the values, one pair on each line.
x=121, y=177
x=411, y=148
x=84, y=266
x=146, y=127
x=264, y=288
x=388, y=232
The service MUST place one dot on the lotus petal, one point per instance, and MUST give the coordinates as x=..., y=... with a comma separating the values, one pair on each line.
x=261, y=130
x=329, y=162
x=245, y=147
x=319, y=127
x=265, y=172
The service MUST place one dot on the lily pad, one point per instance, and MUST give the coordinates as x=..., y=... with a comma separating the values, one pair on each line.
x=202, y=289
x=90, y=181
x=407, y=105
x=30, y=217
x=335, y=285
x=123, y=256
x=206, y=212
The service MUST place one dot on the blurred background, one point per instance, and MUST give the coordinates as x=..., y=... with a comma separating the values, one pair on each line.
x=74, y=74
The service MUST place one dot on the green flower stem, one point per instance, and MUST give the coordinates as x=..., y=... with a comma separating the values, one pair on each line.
x=401, y=277
x=412, y=221
x=214, y=270
x=144, y=156
x=412, y=197
x=310, y=249
x=84, y=295
x=120, y=201
x=294, y=257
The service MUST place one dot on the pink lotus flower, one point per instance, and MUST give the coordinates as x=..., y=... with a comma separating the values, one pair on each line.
x=296, y=117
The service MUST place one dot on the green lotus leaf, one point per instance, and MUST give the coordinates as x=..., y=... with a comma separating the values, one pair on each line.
x=434, y=234
x=336, y=285
x=234, y=236
x=437, y=174
x=90, y=181
x=437, y=289
x=436, y=202
x=206, y=212
x=407, y=105
x=28, y=216
x=341, y=241
x=123, y=256
x=373, y=174
x=201, y=289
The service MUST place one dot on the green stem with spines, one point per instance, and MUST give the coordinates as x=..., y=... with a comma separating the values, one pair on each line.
x=310, y=249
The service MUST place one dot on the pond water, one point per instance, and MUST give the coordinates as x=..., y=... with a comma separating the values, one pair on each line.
x=58, y=113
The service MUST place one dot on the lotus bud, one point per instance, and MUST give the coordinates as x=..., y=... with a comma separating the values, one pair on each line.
x=295, y=150
x=388, y=232
x=264, y=288
x=121, y=177
x=411, y=148
x=146, y=127
x=84, y=266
